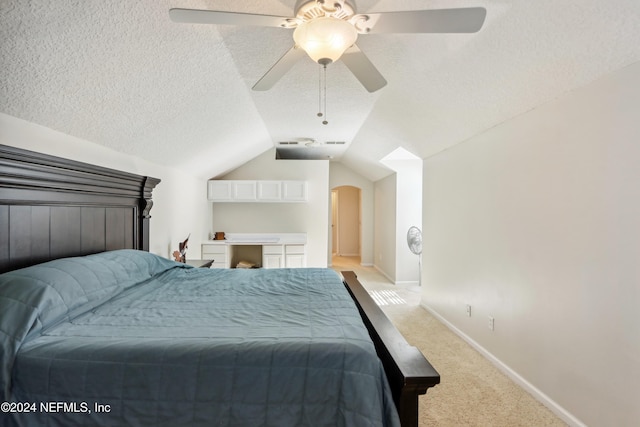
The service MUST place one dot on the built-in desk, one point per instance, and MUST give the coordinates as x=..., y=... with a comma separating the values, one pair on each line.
x=266, y=250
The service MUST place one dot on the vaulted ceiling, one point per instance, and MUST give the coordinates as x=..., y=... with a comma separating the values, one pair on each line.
x=120, y=73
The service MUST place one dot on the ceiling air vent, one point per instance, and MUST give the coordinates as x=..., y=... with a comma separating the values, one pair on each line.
x=335, y=142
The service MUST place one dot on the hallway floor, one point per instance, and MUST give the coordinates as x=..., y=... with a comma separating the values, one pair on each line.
x=379, y=287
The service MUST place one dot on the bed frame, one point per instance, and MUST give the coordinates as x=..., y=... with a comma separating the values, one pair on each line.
x=52, y=208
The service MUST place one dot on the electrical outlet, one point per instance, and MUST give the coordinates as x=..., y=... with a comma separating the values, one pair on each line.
x=491, y=323
x=468, y=310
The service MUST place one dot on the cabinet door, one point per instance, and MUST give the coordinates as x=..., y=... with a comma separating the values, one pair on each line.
x=294, y=191
x=295, y=261
x=216, y=253
x=272, y=256
x=271, y=261
x=269, y=191
x=244, y=191
x=295, y=256
x=219, y=191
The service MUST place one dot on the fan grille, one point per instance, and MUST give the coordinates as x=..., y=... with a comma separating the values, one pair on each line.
x=414, y=240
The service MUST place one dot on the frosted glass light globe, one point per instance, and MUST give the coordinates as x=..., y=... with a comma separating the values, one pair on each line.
x=325, y=39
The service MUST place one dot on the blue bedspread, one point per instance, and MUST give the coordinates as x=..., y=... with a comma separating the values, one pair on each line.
x=154, y=343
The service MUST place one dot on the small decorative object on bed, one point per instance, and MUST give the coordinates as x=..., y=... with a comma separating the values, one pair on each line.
x=181, y=254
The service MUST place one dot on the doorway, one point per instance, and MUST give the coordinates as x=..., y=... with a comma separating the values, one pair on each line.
x=346, y=223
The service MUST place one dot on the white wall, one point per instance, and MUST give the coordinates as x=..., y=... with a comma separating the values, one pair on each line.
x=536, y=222
x=311, y=217
x=408, y=213
x=385, y=226
x=340, y=175
x=170, y=223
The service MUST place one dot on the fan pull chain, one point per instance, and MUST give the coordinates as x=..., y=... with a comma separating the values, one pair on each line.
x=324, y=122
x=322, y=90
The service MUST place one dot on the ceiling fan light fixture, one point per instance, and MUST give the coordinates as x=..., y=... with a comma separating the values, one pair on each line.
x=325, y=39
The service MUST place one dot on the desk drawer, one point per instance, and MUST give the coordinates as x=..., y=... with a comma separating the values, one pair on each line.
x=272, y=249
x=214, y=252
x=294, y=249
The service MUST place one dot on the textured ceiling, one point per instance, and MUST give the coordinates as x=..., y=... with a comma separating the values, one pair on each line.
x=121, y=74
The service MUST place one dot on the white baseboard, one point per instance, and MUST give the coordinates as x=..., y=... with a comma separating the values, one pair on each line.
x=554, y=407
x=381, y=271
x=407, y=283
x=399, y=283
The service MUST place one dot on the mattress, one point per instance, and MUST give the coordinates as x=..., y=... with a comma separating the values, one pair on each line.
x=127, y=338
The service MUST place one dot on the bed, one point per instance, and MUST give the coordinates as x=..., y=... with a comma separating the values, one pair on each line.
x=101, y=332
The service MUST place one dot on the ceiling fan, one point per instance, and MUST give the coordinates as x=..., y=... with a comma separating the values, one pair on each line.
x=327, y=30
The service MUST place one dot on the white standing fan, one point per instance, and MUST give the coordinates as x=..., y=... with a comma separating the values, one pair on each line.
x=414, y=240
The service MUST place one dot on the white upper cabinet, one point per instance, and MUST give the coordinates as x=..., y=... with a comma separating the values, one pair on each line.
x=270, y=191
x=294, y=191
x=257, y=191
x=219, y=191
x=244, y=191
x=231, y=191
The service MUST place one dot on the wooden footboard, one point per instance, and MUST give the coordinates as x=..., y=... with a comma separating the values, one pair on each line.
x=409, y=373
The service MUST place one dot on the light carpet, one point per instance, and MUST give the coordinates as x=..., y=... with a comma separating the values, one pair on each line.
x=472, y=391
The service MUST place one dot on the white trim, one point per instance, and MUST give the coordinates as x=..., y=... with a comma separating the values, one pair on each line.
x=379, y=270
x=407, y=283
x=401, y=283
x=335, y=223
x=554, y=407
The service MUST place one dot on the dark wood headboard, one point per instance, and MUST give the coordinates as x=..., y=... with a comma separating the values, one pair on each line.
x=52, y=207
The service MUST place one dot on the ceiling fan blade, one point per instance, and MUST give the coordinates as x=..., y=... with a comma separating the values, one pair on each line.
x=194, y=16
x=363, y=69
x=463, y=20
x=279, y=69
